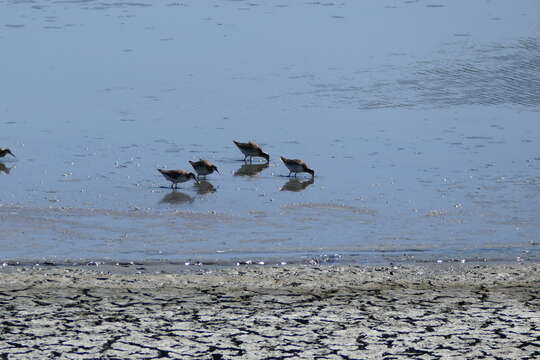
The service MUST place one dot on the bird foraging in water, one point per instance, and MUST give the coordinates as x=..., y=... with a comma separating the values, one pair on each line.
x=5, y=151
x=297, y=166
x=177, y=176
x=251, y=149
x=203, y=167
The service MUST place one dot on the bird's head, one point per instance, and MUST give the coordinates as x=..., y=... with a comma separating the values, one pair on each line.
x=193, y=176
x=7, y=151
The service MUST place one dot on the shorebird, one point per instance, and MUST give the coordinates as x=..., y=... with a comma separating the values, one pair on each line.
x=203, y=167
x=5, y=151
x=297, y=166
x=177, y=176
x=251, y=149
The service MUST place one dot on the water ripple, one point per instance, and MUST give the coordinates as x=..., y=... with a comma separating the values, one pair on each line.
x=493, y=75
x=498, y=75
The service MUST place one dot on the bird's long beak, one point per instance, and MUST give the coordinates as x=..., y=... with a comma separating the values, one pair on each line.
x=11, y=154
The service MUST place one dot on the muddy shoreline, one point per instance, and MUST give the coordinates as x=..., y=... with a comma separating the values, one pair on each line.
x=263, y=312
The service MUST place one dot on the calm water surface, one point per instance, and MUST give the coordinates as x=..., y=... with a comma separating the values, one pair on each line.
x=420, y=119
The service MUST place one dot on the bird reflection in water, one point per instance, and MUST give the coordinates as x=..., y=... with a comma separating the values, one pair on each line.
x=297, y=185
x=250, y=169
x=204, y=187
x=176, y=197
x=4, y=169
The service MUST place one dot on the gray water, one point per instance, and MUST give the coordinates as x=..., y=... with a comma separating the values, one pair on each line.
x=420, y=119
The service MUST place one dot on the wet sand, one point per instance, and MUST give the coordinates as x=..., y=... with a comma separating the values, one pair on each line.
x=262, y=312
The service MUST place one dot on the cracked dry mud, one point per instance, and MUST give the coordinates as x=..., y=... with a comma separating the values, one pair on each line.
x=345, y=312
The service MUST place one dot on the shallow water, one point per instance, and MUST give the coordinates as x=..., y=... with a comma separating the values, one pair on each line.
x=420, y=119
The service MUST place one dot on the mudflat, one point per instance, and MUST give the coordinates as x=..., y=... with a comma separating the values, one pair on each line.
x=264, y=312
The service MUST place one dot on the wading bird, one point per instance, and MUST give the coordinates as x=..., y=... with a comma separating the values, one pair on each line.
x=251, y=149
x=203, y=167
x=297, y=166
x=177, y=176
